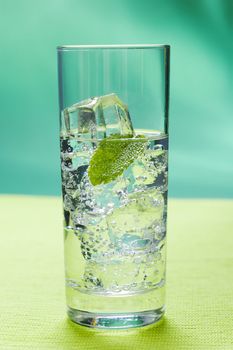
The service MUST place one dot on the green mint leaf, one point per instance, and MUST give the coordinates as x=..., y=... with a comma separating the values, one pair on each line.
x=113, y=155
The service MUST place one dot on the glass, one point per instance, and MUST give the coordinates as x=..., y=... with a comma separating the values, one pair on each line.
x=114, y=159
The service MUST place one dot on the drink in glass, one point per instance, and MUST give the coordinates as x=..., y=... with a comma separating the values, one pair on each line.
x=114, y=184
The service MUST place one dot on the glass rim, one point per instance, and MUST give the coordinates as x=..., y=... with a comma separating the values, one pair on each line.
x=114, y=46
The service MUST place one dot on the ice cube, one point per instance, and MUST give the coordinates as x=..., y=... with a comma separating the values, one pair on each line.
x=132, y=223
x=122, y=274
x=97, y=117
x=94, y=241
x=142, y=209
x=140, y=175
x=116, y=115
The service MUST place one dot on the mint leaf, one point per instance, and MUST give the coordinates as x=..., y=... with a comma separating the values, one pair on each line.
x=113, y=155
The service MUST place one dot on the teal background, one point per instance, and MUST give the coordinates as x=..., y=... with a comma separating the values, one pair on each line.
x=201, y=109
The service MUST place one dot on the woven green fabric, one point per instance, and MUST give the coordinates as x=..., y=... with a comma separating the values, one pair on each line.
x=199, y=281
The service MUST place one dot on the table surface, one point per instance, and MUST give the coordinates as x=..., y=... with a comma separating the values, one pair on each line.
x=199, y=281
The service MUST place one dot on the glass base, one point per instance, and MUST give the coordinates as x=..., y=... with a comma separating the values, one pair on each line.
x=115, y=321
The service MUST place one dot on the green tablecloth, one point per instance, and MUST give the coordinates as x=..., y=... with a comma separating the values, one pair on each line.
x=199, y=281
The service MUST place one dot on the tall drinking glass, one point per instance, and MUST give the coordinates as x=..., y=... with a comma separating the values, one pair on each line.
x=114, y=164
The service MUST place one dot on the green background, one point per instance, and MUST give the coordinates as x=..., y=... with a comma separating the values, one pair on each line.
x=201, y=110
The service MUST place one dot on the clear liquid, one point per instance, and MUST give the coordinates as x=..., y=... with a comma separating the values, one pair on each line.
x=115, y=233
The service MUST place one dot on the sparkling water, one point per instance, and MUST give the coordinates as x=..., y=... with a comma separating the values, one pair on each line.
x=115, y=232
